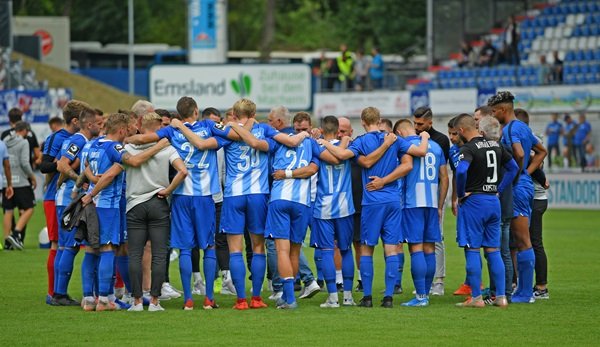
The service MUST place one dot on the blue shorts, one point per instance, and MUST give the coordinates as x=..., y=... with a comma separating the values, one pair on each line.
x=523, y=197
x=421, y=224
x=326, y=233
x=66, y=238
x=109, y=220
x=123, y=230
x=239, y=213
x=381, y=220
x=478, y=223
x=192, y=222
x=287, y=220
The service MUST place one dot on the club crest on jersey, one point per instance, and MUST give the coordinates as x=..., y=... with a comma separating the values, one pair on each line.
x=73, y=149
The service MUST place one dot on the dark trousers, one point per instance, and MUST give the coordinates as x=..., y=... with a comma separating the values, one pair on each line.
x=552, y=148
x=149, y=220
x=535, y=234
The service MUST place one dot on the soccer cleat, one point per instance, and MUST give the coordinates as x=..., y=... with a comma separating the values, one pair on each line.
x=48, y=299
x=15, y=242
x=127, y=298
x=189, y=305
x=489, y=300
x=359, y=286
x=500, y=302
x=330, y=304
x=366, y=301
x=199, y=288
x=279, y=302
x=88, y=305
x=541, y=293
x=136, y=308
x=518, y=299
x=414, y=302
x=257, y=302
x=209, y=304
x=397, y=289
x=464, y=289
x=297, y=286
x=105, y=306
x=311, y=290
x=286, y=306
x=340, y=287
x=321, y=284
x=155, y=308
x=437, y=289
x=471, y=302
x=119, y=292
x=121, y=305
x=348, y=302
x=241, y=304
x=227, y=287
x=276, y=295
x=387, y=302
x=167, y=292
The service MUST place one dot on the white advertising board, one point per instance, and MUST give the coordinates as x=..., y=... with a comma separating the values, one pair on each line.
x=395, y=104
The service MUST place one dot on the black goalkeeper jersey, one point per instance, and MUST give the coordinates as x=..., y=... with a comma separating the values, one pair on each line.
x=486, y=158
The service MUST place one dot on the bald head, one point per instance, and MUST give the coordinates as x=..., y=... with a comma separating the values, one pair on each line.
x=344, y=127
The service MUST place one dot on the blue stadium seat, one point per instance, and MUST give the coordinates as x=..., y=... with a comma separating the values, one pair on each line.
x=569, y=78
x=576, y=31
x=584, y=68
x=579, y=56
x=575, y=68
x=570, y=56
x=588, y=55
x=567, y=68
x=594, y=30
x=590, y=78
x=579, y=78
x=585, y=30
x=597, y=17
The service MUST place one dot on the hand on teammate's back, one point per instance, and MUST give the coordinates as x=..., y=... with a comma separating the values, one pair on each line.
x=389, y=138
x=278, y=175
x=375, y=184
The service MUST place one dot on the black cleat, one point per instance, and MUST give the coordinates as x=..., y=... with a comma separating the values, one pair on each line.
x=340, y=287
x=359, y=286
x=15, y=242
x=366, y=301
x=397, y=289
x=321, y=284
x=387, y=302
x=69, y=301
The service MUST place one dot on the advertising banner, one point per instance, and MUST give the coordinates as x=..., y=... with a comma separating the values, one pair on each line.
x=207, y=31
x=548, y=99
x=452, y=101
x=38, y=106
x=222, y=85
x=395, y=104
x=574, y=191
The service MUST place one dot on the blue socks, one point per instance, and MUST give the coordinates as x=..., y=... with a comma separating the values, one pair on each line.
x=328, y=268
x=319, y=263
x=347, y=269
x=210, y=271
x=391, y=273
x=288, y=290
x=238, y=273
x=473, y=259
x=185, y=270
x=418, y=269
x=106, y=268
x=88, y=270
x=65, y=269
x=525, y=268
x=59, y=253
x=258, y=269
x=496, y=268
x=366, y=273
x=400, y=269
x=122, y=262
x=430, y=262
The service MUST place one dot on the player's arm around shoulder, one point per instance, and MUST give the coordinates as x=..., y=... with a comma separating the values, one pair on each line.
x=372, y=158
x=421, y=150
x=337, y=151
x=138, y=159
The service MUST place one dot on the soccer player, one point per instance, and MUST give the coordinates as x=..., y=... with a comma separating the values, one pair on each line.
x=381, y=208
x=193, y=208
x=477, y=177
x=423, y=120
x=554, y=130
x=68, y=166
x=425, y=189
x=517, y=136
x=51, y=154
x=106, y=157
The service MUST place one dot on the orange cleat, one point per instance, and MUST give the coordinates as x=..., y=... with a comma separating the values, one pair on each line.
x=257, y=302
x=105, y=306
x=189, y=305
x=464, y=289
x=472, y=302
x=209, y=304
x=241, y=304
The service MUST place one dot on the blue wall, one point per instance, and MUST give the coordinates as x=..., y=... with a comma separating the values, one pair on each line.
x=118, y=78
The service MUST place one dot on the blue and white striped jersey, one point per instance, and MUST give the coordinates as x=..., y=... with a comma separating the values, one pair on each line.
x=72, y=149
x=247, y=169
x=102, y=155
x=421, y=183
x=203, y=173
x=334, y=190
x=291, y=158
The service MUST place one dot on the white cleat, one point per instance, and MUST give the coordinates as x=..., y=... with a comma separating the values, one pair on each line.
x=330, y=304
x=136, y=308
x=311, y=290
x=349, y=302
x=276, y=296
x=167, y=292
x=199, y=288
x=155, y=308
x=227, y=287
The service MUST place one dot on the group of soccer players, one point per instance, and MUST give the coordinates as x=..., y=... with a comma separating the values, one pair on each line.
x=278, y=186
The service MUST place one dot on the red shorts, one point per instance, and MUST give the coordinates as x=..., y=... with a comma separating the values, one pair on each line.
x=51, y=219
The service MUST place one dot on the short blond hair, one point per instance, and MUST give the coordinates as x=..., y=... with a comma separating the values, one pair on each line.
x=150, y=119
x=370, y=116
x=244, y=107
x=116, y=121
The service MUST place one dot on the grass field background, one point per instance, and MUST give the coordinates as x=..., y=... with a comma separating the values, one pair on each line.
x=570, y=316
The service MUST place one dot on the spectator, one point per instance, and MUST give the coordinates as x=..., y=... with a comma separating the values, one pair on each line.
x=569, y=132
x=581, y=139
x=590, y=157
x=545, y=71
x=345, y=66
x=376, y=69
x=361, y=69
x=15, y=115
x=553, y=131
x=325, y=72
x=56, y=123
x=511, y=41
x=467, y=55
x=487, y=55
x=557, y=69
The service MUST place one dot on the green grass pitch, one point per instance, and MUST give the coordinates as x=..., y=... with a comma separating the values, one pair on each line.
x=570, y=316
